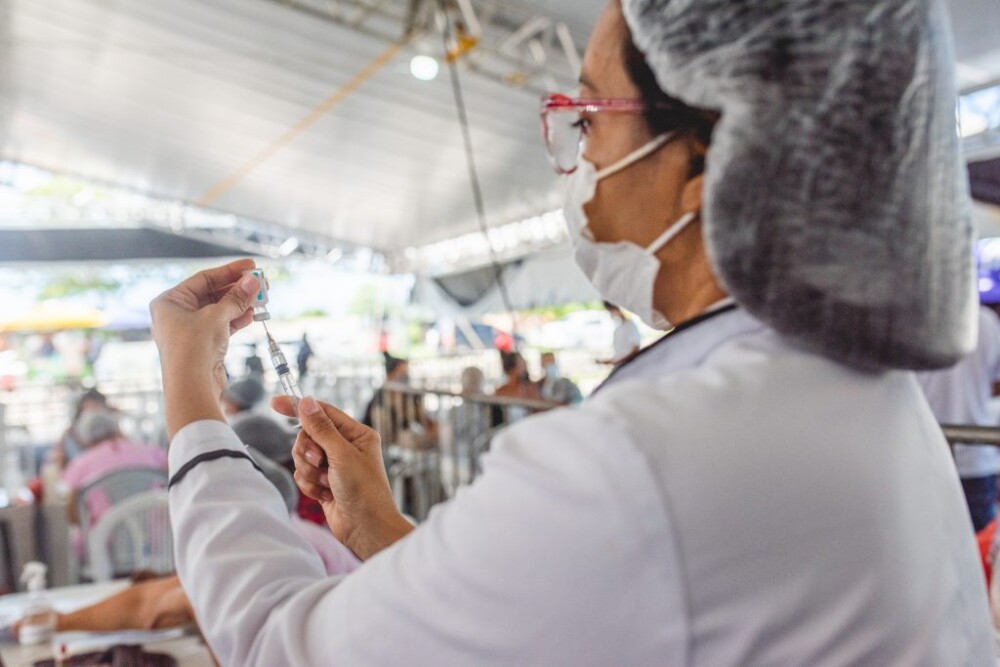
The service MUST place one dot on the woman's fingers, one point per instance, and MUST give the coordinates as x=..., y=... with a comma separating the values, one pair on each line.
x=309, y=450
x=205, y=284
x=283, y=405
x=348, y=427
x=241, y=322
x=320, y=428
x=311, y=488
x=237, y=301
x=307, y=453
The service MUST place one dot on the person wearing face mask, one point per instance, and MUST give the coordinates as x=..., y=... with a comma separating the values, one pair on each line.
x=554, y=387
x=779, y=184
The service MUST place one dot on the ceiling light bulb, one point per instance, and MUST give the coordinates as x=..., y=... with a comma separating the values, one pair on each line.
x=424, y=68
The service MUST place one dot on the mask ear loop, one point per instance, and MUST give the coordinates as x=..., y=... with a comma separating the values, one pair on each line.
x=636, y=155
x=671, y=232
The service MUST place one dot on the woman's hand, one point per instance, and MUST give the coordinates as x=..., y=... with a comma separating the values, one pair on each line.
x=191, y=326
x=338, y=461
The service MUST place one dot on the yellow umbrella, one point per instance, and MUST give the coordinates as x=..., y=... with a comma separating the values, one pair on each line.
x=55, y=316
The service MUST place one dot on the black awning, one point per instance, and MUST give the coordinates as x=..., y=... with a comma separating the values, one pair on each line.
x=103, y=245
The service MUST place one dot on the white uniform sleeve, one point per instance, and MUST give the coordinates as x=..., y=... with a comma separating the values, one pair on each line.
x=561, y=553
x=989, y=334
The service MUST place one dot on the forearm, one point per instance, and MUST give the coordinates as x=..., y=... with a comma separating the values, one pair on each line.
x=118, y=612
x=190, y=395
x=237, y=555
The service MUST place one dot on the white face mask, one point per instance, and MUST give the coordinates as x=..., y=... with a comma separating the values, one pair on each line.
x=624, y=273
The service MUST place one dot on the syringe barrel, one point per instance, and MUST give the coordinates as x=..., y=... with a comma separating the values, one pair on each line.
x=290, y=386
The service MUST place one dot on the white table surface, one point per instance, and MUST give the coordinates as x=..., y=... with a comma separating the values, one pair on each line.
x=189, y=651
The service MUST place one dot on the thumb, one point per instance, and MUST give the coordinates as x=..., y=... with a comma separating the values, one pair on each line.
x=318, y=426
x=240, y=298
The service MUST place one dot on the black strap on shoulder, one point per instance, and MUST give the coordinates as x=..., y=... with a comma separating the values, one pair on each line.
x=679, y=329
x=210, y=456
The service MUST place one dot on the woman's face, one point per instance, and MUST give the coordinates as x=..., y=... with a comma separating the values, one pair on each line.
x=518, y=368
x=640, y=202
x=402, y=372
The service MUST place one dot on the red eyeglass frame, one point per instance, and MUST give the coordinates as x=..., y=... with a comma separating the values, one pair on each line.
x=559, y=102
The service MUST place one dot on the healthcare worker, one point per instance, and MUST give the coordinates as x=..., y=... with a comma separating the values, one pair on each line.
x=764, y=486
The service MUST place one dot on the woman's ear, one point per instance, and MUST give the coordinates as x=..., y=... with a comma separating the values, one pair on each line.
x=691, y=196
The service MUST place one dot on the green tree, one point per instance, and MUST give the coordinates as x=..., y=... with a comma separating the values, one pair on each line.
x=64, y=285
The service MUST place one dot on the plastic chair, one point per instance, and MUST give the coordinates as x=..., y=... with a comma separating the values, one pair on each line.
x=108, y=490
x=102, y=494
x=132, y=536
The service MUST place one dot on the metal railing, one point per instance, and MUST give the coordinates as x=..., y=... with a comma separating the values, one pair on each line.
x=433, y=440
x=971, y=435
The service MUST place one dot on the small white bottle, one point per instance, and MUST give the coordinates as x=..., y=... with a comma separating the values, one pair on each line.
x=260, y=313
x=39, y=617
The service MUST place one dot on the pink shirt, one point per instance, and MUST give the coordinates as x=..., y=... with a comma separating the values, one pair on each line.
x=337, y=558
x=107, y=457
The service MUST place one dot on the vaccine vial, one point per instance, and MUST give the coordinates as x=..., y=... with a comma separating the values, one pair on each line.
x=260, y=313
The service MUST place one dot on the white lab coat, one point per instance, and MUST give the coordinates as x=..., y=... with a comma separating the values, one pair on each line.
x=727, y=499
x=961, y=395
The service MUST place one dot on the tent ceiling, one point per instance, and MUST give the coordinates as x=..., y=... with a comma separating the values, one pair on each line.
x=169, y=98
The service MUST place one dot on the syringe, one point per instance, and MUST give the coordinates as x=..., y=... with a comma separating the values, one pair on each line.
x=288, y=383
x=260, y=314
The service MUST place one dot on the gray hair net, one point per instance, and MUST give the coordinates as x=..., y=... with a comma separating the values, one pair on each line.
x=835, y=205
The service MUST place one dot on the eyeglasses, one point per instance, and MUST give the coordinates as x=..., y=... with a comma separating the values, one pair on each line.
x=564, y=127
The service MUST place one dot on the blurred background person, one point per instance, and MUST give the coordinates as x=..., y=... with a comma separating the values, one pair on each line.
x=400, y=416
x=303, y=356
x=626, y=340
x=68, y=446
x=517, y=381
x=473, y=381
x=105, y=450
x=554, y=387
x=469, y=425
x=517, y=385
x=241, y=398
x=254, y=365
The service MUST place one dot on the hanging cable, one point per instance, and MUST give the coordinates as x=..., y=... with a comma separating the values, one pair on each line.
x=449, y=35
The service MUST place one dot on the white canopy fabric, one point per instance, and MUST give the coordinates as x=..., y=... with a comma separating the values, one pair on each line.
x=547, y=278
x=170, y=98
